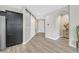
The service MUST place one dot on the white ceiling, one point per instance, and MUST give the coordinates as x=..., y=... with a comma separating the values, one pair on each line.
x=39, y=10
x=16, y=6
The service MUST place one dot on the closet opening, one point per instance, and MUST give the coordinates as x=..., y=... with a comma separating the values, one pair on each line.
x=64, y=26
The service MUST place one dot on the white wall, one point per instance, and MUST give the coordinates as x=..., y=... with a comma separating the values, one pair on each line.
x=51, y=31
x=40, y=25
x=2, y=32
x=26, y=26
x=52, y=28
x=33, y=21
x=74, y=21
x=5, y=7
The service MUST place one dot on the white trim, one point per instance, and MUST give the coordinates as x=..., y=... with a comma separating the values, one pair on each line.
x=26, y=41
x=71, y=45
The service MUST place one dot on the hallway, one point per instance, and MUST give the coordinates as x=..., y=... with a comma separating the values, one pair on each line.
x=39, y=44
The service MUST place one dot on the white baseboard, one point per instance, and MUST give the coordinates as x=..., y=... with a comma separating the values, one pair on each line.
x=52, y=38
x=71, y=45
x=26, y=41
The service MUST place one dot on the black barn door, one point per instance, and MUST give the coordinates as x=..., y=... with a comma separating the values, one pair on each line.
x=14, y=28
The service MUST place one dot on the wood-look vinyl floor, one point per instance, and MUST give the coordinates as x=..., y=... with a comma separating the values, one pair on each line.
x=39, y=44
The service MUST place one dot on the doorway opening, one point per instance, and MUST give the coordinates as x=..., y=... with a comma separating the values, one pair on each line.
x=40, y=28
x=64, y=26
